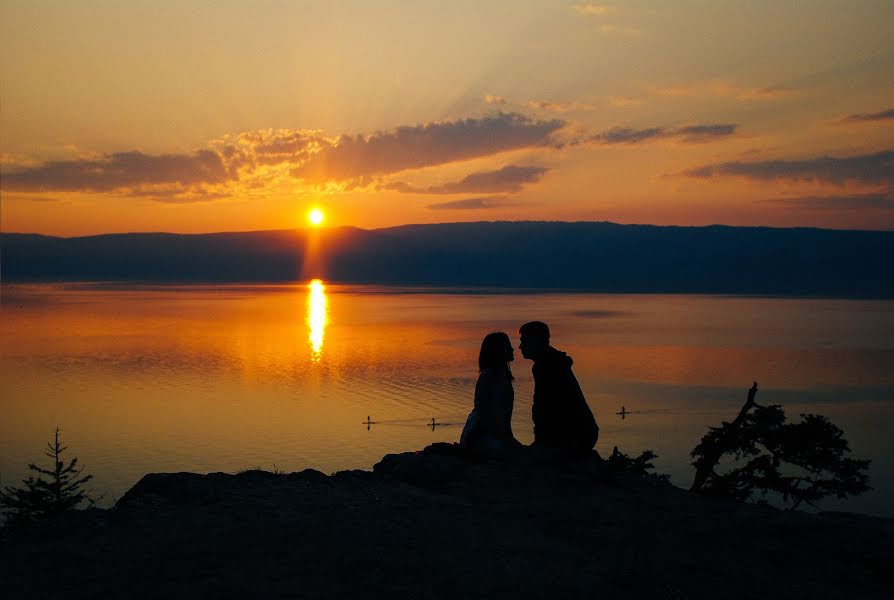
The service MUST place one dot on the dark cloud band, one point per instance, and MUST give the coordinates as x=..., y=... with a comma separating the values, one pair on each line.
x=120, y=170
x=853, y=202
x=508, y=179
x=873, y=169
x=885, y=115
x=470, y=204
x=688, y=134
x=414, y=147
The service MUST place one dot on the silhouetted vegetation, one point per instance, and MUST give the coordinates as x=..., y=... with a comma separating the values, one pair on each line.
x=53, y=491
x=800, y=462
x=641, y=466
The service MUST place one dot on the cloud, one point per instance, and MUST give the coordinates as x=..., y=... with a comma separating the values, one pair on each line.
x=271, y=147
x=492, y=99
x=674, y=90
x=508, y=179
x=873, y=169
x=178, y=194
x=626, y=135
x=470, y=204
x=881, y=201
x=591, y=9
x=29, y=198
x=255, y=159
x=721, y=89
x=624, y=101
x=118, y=171
x=700, y=133
x=559, y=107
x=413, y=147
x=284, y=142
x=224, y=167
x=766, y=93
x=885, y=115
x=687, y=134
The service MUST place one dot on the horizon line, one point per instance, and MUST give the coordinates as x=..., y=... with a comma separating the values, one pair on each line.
x=354, y=227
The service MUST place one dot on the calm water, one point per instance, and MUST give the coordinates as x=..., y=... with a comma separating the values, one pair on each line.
x=223, y=378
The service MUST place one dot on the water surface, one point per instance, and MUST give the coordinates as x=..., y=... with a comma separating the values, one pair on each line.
x=223, y=378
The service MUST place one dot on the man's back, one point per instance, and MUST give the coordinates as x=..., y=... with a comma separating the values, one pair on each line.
x=562, y=418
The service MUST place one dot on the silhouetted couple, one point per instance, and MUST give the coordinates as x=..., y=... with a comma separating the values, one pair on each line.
x=563, y=423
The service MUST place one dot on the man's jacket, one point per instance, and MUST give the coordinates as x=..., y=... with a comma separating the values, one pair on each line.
x=561, y=416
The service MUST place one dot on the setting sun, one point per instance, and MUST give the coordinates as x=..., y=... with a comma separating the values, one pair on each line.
x=315, y=216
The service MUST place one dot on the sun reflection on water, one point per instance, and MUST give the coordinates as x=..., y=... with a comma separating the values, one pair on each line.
x=317, y=317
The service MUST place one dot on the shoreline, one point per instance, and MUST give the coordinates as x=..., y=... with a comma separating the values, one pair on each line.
x=350, y=287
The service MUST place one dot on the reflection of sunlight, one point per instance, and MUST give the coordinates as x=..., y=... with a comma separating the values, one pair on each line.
x=316, y=317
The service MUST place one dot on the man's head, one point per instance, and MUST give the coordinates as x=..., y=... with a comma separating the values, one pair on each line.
x=534, y=340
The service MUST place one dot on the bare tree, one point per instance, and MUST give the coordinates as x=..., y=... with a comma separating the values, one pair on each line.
x=801, y=462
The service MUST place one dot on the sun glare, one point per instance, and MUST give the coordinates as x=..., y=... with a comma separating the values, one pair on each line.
x=315, y=217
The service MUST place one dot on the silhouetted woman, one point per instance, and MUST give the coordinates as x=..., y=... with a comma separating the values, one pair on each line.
x=489, y=424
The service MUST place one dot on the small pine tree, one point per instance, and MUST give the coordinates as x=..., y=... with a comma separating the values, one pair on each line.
x=63, y=489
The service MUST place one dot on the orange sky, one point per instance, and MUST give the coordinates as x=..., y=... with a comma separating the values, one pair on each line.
x=196, y=117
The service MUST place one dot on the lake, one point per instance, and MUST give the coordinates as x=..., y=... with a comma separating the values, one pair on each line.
x=229, y=377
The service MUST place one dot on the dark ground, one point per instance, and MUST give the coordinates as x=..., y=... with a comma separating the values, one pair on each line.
x=428, y=525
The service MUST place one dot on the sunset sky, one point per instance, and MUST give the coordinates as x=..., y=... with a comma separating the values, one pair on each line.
x=190, y=116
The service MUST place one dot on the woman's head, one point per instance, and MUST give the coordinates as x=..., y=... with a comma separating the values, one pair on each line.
x=496, y=352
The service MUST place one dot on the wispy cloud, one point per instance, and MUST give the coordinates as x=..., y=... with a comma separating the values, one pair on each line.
x=598, y=11
x=177, y=194
x=721, y=89
x=430, y=144
x=290, y=143
x=870, y=169
x=591, y=9
x=625, y=101
x=885, y=115
x=508, y=179
x=851, y=202
x=627, y=135
x=687, y=134
x=560, y=107
x=253, y=150
x=494, y=99
x=701, y=133
x=471, y=204
x=29, y=198
x=120, y=170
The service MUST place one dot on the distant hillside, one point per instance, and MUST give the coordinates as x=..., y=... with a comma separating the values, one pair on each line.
x=590, y=256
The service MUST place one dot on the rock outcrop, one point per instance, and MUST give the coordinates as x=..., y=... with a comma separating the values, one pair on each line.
x=437, y=524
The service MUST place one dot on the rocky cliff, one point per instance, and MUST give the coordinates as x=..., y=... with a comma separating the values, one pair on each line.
x=437, y=525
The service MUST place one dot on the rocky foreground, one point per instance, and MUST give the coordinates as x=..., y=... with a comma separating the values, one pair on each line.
x=436, y=525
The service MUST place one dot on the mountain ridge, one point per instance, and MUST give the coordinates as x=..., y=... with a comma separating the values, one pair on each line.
x=581, y=255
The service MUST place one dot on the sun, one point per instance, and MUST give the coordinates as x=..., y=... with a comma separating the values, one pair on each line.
x=315, y=216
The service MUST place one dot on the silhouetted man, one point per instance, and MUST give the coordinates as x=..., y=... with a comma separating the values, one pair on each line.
x=562, y=419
